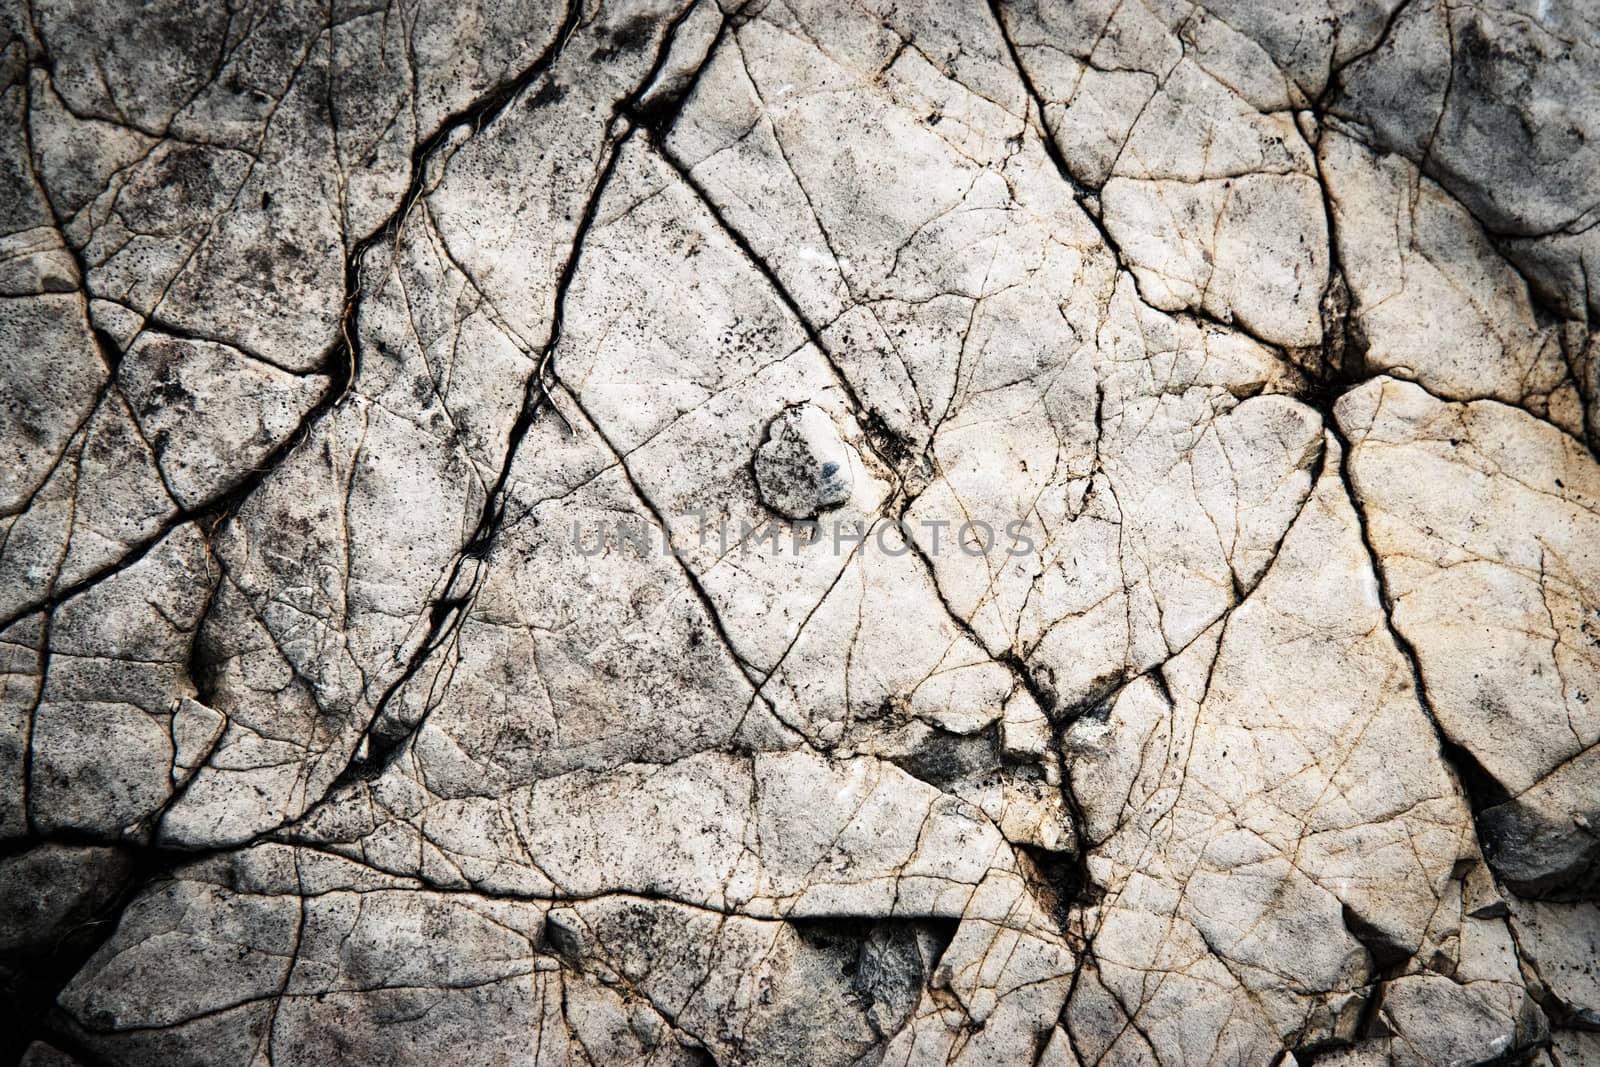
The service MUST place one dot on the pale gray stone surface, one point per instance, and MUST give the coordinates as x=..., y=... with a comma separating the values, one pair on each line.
x=684, y=531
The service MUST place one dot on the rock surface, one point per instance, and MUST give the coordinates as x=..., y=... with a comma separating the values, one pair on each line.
x=681, y=532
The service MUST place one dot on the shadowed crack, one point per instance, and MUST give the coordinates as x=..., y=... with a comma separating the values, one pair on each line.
x=382, y=739
x=1481, y=790
x=341, y=363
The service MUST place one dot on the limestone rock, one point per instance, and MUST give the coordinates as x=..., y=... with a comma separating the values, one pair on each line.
x=1494, y=593
x=677, y=532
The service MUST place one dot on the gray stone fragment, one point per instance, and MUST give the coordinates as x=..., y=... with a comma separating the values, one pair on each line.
x=803, y=467
x=195, y=730
x=1559, y=945
x=49, y=891
x=40, y=1054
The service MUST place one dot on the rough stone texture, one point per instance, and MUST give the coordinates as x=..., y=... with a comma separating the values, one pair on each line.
x=803, y=467
x=681, y=532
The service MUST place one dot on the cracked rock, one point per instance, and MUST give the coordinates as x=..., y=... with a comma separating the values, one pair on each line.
x=686, y=532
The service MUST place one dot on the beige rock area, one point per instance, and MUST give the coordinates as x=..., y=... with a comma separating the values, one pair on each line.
x=683, y=532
